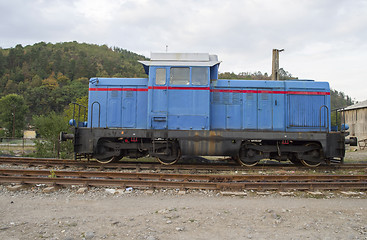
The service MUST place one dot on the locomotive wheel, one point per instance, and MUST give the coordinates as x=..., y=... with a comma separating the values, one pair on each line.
x=103, y=153
x=309, y=163
x=315, y=155
x=173, y=155
x=171, y=159
x=248, y=157
x=106, y=160
x=295, y=160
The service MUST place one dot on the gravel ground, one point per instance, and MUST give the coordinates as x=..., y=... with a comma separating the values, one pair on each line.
x=354, y=154
x=98, y=214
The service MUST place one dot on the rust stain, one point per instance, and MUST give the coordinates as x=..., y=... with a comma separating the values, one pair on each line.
x=212, y=143
x=196, y=147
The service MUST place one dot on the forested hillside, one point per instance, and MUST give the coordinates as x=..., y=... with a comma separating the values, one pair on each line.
x=38, y=82
x=283, y=75
x=340, y=100
x=50, y=76
x=47, y=77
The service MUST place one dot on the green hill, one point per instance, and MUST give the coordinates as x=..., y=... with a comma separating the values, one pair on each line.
x=50, y=76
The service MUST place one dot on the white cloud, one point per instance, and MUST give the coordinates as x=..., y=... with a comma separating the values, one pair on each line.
x=323, y=39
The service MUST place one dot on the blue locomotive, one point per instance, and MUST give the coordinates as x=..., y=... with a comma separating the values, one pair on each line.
x=183, y=109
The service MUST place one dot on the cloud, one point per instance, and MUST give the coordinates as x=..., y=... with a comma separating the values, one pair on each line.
x=323, y=39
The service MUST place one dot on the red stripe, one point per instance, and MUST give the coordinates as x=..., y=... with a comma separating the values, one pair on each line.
x=178, y=88
x=119, y=89
x=234, y=91
x=189, y=88
x=211, y=90
x=158, y=88
x=309, y=93
x=271, y=92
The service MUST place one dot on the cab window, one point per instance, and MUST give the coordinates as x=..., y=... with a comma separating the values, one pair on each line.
x=180, y=76
x=160, y=76
x=199, y=76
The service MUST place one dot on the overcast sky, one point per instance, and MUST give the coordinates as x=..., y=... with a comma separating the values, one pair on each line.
x=325, y=40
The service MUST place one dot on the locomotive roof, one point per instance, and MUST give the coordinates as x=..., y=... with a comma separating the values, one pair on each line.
x=182, y=59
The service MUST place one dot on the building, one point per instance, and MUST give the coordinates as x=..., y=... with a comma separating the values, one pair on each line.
x=29, y=134
x=356, y=118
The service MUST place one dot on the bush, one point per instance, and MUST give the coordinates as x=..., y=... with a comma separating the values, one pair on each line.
x=49, y=128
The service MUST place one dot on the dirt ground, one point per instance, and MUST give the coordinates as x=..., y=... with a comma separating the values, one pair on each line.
x=354, y=154
x=96, y=214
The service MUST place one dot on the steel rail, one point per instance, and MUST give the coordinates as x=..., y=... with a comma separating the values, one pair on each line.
x=188, y=185
x=185, y=177
x=184, y=181
x=176, y=167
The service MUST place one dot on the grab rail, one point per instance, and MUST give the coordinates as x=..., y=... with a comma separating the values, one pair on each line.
x=99, y=114
x=85, y=112
x=327, y=116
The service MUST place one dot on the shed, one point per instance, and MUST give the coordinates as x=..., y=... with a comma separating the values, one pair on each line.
x=356, y=118
x=29, y=134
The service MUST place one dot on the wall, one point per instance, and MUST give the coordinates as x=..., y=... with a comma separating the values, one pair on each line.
x=357, y=121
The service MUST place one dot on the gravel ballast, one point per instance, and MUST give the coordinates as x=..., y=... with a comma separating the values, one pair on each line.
x=29, y=213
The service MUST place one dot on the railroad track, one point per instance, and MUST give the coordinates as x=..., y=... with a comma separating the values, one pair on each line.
x=185, y=181
x=138, y=166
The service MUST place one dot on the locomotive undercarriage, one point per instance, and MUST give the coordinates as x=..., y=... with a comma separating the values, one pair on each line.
x=248, y=148
x=167, y=151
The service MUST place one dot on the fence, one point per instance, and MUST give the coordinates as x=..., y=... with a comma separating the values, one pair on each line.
x=17, y=146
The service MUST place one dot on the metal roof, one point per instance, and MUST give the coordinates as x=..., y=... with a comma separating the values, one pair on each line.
x=357, y=105
x=182, y=59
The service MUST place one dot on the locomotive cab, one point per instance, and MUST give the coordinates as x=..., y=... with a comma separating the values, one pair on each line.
x=179, y=90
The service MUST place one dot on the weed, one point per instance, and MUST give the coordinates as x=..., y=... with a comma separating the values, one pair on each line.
x=53, y=174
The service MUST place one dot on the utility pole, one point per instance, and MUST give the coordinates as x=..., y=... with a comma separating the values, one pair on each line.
x=275, y=64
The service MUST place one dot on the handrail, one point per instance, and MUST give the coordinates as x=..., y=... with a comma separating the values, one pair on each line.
x=99, y=114
x=327, y=116
x=341, y=118
x=79, y=106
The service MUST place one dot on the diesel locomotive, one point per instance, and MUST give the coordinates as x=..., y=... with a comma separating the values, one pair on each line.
x=183, y=109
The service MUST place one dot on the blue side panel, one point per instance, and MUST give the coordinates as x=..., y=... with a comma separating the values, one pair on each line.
x=114, y=108
x=214, y=72
x=305, y=111
x=250, y=111
x=308, y=110
x=218, y=116
x=265, y=110
x=217, y=111
x=97, y=109
x=234, y=109
x=188, y=122
x=141, y=109
x=118, y=102
x=188, y=109
x=159, y=101
x=159, y=105
x=226, y=109
x=129, y=109
x=234, y=117
x=279, y=112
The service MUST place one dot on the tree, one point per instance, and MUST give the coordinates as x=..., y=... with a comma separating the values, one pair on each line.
x=338, y=100
x=12, y=114
x=49, y=127
x=80, y=113
x=2, y=63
